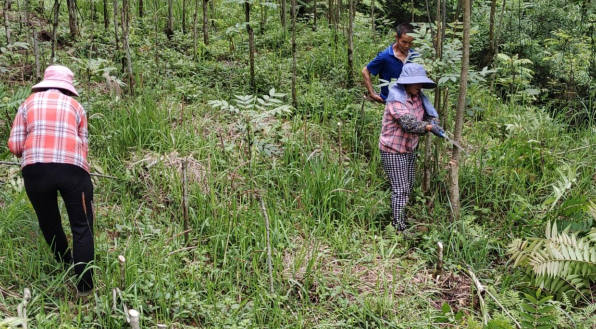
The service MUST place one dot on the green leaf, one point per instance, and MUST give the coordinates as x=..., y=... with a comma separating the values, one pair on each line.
x=445, y=308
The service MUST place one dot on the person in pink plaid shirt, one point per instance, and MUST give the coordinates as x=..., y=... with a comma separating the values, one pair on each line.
x=408, y=114
x=50, y=134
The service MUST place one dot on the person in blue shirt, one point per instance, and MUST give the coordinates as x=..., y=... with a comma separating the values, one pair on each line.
x=389, y=62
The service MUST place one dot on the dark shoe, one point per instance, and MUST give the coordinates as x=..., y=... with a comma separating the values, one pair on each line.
x=81, y=294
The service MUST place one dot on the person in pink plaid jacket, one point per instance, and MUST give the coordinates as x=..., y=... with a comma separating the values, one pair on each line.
x=408, y=114
x=50, y=135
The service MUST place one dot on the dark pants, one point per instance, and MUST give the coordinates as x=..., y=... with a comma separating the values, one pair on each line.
x=401, y=171
x=43, y=181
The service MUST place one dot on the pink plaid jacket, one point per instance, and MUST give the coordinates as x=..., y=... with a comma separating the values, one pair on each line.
x=393, y=137
x=50, y=127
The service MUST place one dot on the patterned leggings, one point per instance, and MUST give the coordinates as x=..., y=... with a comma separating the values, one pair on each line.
x=401, y=171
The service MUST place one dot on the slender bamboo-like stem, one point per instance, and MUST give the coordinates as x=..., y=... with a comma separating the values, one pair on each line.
x=372, y=15
x=122, y=262
x=125, y=45
x=194, y=30
x=439, y=268
x=269, y=263
x=36, y=52
x=185, y=200
x=294, y=66
x=314, y=15
x=183, y=16
x=251, y=45
x=350, y=73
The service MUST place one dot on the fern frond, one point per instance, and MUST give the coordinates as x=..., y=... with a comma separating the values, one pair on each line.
x=561, y=263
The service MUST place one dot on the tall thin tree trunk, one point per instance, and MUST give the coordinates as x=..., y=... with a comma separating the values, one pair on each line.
x=330, y=12
x=26, y=9
x=106, y=15
x=491, y=33
x=170, y=28
x=251, y=45
x=314, y=15
x=372, y=15
x=6, y=22
x=115, y=3
x=141, y=8
x=282, y=13
x=428, y=142
x=36, y=52
x=459, y=115
x=194, y=29
x=54, y=30
x=72, y=18
x=294, y=70
x=183, y=16
x=351, y=45
x=125, y=24
x=205, y=23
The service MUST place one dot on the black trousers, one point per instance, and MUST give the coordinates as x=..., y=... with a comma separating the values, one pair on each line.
x=43, y=181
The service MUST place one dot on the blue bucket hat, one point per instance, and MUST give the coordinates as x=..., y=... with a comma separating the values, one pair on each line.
x=414, y=73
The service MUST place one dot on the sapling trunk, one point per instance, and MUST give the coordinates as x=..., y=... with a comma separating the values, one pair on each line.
x=183, y=16
x=350, y=73
x=185, y=200
x=205, y=23
x=141, y=8
x=314, y=15
x=22, y=308
x=251, y=45
x=106, y=15
x=125, y=45
x=194, y=30
x=269, y=263
x=134, y=319
x=372, y=15
x=54, y=30
x=36, y=52
x=294, y=68
x=115, y=3
x=439, y=268
x=6, y=22
x=72, y=18
x=170, y=28
x=459, y=116
x=282, y=14
x=340, y=146
x=122, y=262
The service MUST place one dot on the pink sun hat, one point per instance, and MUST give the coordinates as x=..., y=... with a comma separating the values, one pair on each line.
x=57, y=76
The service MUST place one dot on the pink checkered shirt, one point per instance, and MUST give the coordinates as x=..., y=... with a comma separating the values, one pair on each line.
x=50, y=127
x=393, y=138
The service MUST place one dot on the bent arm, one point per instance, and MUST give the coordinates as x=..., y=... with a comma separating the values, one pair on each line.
x=18, y=135
x=409, y=123
x=368, y=84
